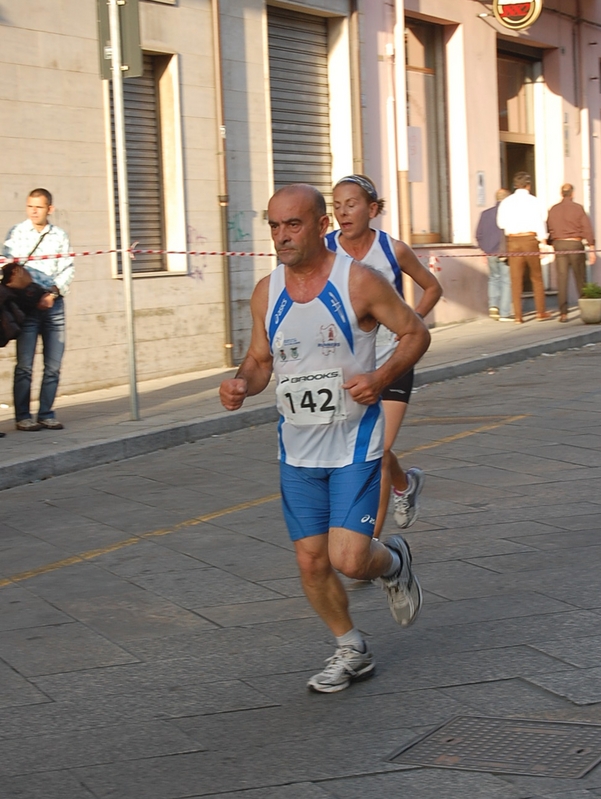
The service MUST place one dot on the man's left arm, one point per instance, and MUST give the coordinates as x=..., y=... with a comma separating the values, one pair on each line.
x=64, y=268
x=542, y=234
x=589, y=234
x=374, y=298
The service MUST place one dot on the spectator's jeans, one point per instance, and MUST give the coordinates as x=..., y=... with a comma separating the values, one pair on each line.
x=499, y=285
x=563, y=262
x=50, y=325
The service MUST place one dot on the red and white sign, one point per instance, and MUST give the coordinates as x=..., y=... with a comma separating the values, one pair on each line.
x=517, y=16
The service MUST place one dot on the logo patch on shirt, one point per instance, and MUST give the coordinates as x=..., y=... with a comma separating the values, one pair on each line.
x=329, y=336
x=287, y=348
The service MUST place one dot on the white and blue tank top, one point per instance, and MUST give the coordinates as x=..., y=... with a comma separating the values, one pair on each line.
x=316, y=347
x=381, y=257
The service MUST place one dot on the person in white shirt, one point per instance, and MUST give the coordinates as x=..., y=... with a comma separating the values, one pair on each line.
x=522, y=218
x=37, y=236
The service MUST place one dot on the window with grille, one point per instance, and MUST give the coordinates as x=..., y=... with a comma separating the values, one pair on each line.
x=144, y=167
x=300, y=101
x=427, y=132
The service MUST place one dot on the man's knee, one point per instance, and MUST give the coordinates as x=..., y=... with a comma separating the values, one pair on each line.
x=23, y=370
x=314, y=565
x=52, y=369
x=353, y=562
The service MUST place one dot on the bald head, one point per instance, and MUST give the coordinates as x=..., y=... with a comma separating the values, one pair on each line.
x=501, y=194
x=567, y=190
x=305, y=194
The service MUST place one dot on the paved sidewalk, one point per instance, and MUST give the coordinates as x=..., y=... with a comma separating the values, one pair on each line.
x=186, y=408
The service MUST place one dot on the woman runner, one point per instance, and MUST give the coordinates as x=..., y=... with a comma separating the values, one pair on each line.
x=356, y=203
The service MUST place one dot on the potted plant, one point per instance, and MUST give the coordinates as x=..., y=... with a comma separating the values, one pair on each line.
x=590, y=304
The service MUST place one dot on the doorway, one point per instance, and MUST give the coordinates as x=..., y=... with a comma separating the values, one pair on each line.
x=516, y=157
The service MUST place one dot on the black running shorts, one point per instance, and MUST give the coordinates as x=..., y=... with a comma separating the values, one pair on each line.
x=400, y=390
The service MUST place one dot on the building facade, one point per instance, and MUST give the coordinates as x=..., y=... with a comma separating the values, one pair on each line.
x=478, y=102
x=434, y=99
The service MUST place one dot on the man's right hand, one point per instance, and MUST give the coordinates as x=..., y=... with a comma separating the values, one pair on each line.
x=233, y=392
x=46, y=301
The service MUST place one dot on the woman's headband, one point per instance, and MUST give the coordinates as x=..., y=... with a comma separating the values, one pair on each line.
x=365, y=184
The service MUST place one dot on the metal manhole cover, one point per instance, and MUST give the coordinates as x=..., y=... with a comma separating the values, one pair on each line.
x=513, y=746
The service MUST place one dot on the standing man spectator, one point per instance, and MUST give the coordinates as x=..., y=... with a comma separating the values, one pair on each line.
x=568, y=225
x=37, y=236
x=522, y=218
x=491, y=240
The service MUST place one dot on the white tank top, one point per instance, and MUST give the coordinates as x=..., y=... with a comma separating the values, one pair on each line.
x=316, y=347
x=381, y=257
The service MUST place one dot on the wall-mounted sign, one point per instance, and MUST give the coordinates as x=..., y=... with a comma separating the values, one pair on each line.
x=517, y=16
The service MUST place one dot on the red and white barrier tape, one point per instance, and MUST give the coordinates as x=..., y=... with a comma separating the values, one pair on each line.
x=432, y=259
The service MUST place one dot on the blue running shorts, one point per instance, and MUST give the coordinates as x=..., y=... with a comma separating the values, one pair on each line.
x=315, y=499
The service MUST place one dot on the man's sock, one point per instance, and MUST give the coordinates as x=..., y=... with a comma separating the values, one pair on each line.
x=395, y=566
x=400, y=493
x=352, y=638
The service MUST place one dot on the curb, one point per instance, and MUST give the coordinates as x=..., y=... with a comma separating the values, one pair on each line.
x=131, y=445
x=436, y=374
x=86, y=456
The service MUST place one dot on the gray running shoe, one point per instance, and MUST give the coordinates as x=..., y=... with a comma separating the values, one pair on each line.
x=403, y=589
x=346, y=665
x=406, y=505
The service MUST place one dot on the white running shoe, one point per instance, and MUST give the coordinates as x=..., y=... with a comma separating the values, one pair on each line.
x=406, y=504
x=403, y=589
x=346, y=665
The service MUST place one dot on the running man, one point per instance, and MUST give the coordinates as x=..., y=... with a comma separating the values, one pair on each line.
x=356, y=203
x=315, y=320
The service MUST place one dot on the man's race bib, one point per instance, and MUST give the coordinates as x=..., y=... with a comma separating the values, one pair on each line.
x=314, y=398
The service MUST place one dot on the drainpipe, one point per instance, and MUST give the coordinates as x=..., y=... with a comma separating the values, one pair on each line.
x=223, y=196
x=400, y=80
x=402, y=158
x=356, y=106
x=583, y=110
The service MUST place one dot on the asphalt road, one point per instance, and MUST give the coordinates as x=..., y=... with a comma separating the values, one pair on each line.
x=155, y=642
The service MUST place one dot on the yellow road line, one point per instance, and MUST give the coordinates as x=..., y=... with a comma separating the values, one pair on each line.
x=417, y=421
x=456, y=436
x=207, y=517
x=128, y=542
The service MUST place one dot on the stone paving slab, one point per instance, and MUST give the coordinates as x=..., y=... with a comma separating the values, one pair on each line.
x=16, y=689
x=58, y=648
x=426, y=784
x=92, y=747
x=20, y=610
x=580, y=686
x=305, y=790
x=50, y=785
x=584, y=653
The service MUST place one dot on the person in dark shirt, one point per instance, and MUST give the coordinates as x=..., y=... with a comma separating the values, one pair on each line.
x=491, y=240
x=569, y=226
